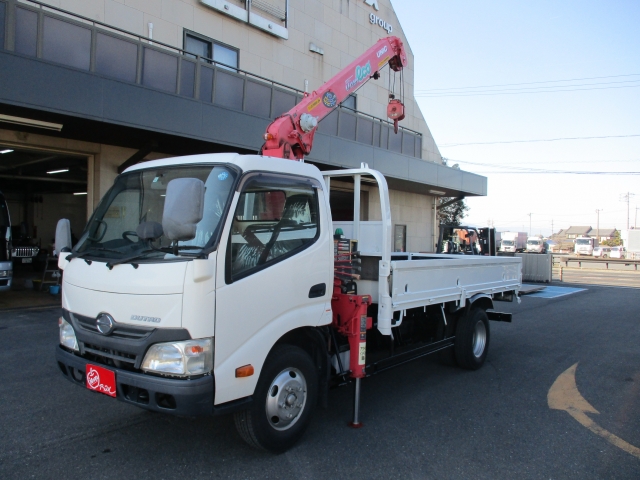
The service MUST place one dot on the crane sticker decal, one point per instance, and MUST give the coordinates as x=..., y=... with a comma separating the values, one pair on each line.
x=361, y=73
x=314, y=104
x=329, y=99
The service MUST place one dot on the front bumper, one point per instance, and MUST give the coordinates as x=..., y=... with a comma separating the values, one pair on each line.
x=5, y=282
x=167, y=395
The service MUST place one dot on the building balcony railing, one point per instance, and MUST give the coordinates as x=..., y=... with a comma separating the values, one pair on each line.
x=35, y=29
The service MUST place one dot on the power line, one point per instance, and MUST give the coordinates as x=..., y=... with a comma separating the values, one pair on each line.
x=471, y=89
x=540, y=140
x=480, y=94
x=539, y=170
x=533, y=83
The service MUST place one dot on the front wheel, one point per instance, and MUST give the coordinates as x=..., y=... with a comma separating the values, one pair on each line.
x=283, y=401
x=472, y=339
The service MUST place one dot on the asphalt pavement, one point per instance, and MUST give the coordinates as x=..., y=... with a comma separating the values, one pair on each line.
x=422, y=420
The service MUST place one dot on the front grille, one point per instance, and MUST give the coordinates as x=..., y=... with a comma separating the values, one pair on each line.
x=20, y=252
x=120, y=331
x=109, y=356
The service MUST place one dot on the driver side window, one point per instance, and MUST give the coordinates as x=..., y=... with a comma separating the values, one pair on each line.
x=276, y=218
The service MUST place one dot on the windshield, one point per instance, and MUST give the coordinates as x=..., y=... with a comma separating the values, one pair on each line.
x=138, y=197
x=533, y=242
x=507, y=243
x=583, y=241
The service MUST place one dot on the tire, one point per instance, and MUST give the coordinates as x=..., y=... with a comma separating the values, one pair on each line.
x=472, y=339
x=267, y=425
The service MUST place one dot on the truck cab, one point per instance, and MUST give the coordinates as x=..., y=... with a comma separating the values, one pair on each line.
x=535, y=245
x=215, y=284
x=585, y=245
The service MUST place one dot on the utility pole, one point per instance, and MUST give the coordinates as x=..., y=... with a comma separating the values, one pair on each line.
x=635, y=224
x=598, y=210
x=552, y=226
x=529, y=223
x=626, y=198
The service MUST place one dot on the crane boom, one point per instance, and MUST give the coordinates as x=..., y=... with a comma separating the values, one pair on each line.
x=291, y=134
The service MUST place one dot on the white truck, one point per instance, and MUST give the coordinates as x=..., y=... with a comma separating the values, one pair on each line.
x=215, y=284
x=514, y=242
x=212, y=284
x=585, y=245
x=536, y=244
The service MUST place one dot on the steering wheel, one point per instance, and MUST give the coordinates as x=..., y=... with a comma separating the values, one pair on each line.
x=128, y=234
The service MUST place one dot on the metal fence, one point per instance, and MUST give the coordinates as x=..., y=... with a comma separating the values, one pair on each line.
x=55, y=35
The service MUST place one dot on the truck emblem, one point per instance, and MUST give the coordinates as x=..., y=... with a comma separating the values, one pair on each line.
x=142, y=318
x=105, y=323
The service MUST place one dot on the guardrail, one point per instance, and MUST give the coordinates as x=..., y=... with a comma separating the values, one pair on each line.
x=558, y=260
x=52, y=34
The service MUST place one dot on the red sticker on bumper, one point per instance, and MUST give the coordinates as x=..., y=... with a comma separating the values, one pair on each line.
x=101, y=380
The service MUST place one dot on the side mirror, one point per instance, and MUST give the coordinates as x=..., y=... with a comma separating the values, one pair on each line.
x=183, y=208
x=63, y=241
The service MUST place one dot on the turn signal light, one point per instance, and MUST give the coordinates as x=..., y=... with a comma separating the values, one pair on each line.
x=268, y=136
x=195, y=349
x=245, y=371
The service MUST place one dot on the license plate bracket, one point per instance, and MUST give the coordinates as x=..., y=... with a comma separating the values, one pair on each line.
x=100, y=379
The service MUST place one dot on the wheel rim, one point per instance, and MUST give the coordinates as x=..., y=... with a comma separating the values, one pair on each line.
x=479, y=339
x=286, y=399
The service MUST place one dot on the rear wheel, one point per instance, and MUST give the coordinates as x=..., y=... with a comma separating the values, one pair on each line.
x=472, y=339
x=283, y=401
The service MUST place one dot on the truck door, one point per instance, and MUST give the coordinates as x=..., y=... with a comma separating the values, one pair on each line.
x=275, y=274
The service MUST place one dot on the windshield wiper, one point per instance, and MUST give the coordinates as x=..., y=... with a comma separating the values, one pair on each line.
x=110, y=265
x=89, y=251
x=141, y=254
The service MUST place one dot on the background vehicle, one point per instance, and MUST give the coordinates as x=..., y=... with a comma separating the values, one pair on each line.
x=602, y=252
x=618, y=252
x=513, y=242
x=24, y=248
x=535, y=245
x=6, y=264
x=585, y=245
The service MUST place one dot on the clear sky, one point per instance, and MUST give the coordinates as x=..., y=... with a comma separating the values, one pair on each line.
x=504, y=47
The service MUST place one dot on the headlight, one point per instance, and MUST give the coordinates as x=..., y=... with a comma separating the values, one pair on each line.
x=67, y=335
x=192, y=357
x=5, y=273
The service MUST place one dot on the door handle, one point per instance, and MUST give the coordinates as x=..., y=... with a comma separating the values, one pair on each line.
x=318, y=290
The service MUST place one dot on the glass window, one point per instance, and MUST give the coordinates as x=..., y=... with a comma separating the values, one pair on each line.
x=187, y=78
x=138, y=197
x=350, y=102
x=208, y=48
x=364, y=133
x=206, y=84
x=2, y=16
x=116, y=58
x=160, y=70
x=276, y=217
x=227, y=56
x=197, y=46
x=395, y=141
x=26, y=31
x=258, y=99
x=400, y=238
x=229, y=90
x=282, y=102
x=66, y=43
x=346, y=125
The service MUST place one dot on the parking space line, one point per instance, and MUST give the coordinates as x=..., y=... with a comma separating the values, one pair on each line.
x=555, y=292
x=564, y=395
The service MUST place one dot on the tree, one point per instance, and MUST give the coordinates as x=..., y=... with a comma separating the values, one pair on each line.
x=614, y=241
x=453, y=213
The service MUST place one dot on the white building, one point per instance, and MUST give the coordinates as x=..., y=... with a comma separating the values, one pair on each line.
x=92, y=86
